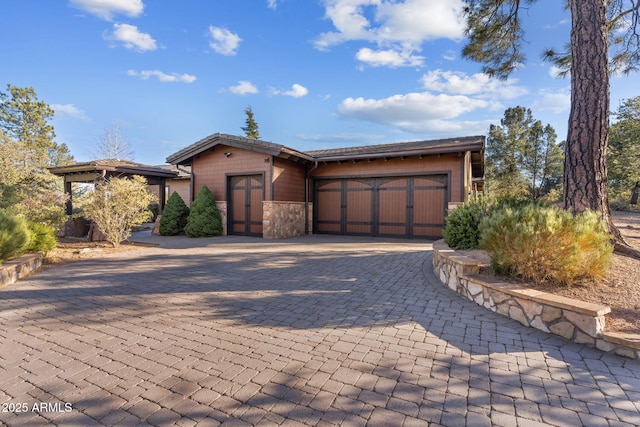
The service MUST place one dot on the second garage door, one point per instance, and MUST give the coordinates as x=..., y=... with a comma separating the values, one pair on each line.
x=402, y=206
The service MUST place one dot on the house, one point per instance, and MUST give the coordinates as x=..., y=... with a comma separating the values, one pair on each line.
x=395, y=190
x=181, y=183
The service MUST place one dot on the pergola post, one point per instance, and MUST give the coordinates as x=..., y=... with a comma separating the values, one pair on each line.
x=69, y=193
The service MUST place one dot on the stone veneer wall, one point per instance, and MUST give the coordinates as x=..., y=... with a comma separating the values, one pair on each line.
x=12, y=271
x=281, y=220
x=575, y=320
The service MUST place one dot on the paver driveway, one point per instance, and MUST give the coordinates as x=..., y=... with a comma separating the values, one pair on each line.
x=317, y=330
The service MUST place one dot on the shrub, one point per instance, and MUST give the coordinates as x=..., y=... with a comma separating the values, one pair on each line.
x=461, y=229
x=14, y=236
x=43, y=237
x=546, y=244
x=204, y=217
x=118, y=205
x=154, y=208
x=174, y=216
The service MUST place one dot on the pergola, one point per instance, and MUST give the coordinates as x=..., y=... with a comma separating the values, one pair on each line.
x=94, y=171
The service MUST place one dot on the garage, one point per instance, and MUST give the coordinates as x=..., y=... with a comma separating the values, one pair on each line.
x=385, y=206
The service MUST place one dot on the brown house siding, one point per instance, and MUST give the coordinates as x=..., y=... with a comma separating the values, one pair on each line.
x=451, y=164
x=288, y=181
x=213, y=167
x=182, y=187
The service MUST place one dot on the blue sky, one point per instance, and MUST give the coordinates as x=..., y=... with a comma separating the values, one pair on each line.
x=317, y=73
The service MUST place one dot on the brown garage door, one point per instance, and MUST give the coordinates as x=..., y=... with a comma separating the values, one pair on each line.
x=402, y=206
x=246, y=194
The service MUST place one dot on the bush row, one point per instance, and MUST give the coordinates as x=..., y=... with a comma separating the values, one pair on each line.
x=533, y=241
x=17, y=236
x=201, y=220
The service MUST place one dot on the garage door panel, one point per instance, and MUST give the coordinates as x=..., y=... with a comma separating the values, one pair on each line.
x=392, y=206
x=428, y=207
x=329, y=206
x=359, y=206
x=358, y=229
x=410, y=206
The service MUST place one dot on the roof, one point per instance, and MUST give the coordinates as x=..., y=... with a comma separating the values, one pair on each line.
x=183, y=171
x=474, y=144
x=87, y=171
x=438, y=146
x=260, y=146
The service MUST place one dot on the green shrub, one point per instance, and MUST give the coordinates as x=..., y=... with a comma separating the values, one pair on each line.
x=174, y=216
x=461, y=229
x=154, y=208
x=14, y=236
x=546, y=244
x=204, y=217
x=43, y=237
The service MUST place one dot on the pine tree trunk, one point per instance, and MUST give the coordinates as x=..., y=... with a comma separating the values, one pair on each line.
x=585, y=177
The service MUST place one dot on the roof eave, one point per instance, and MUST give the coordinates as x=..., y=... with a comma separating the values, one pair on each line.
x=405, y=153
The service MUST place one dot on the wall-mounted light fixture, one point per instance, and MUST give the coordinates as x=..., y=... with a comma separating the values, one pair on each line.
x=227, y=154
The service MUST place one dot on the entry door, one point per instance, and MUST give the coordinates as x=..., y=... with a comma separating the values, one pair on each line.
x=246, y=194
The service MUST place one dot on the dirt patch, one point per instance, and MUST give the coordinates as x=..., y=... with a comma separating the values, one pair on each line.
x=620, y=289
x=69, y=250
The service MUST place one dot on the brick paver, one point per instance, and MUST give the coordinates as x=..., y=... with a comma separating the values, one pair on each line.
x=317, y=330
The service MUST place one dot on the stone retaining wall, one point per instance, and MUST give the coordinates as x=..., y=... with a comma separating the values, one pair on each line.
x=575, y=320
x=12, y=271
x=281, y=220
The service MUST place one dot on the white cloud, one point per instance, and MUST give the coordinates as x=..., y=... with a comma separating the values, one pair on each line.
x=131, y=38
x=223, y=41
x=556, y=72
x=447, y=96
x=106, y=9
x=402, y=110
x=388, y=58
x=272, y=4
x=162, y=77
x=394, y=26
x=555, y=102
x=69, y=111
x=296, y=91
x=243, y=87
x=479, y=84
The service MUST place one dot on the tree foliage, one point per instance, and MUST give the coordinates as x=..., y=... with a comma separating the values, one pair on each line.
x=118, y=205
x=523, y=159
x=251, y=126
x=624, y=149
x=27, y=149
x=496, y=36
x=495, y=40
x=14, y=236
x=174, y=216
x=204, y=217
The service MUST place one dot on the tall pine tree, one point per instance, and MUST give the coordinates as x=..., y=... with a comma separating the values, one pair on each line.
x=251, y=126
x=496, y=41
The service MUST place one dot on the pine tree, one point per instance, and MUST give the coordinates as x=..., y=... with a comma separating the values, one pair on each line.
x=174, y=216
x=204, y=217
x=605, y=35
x=251, y=127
